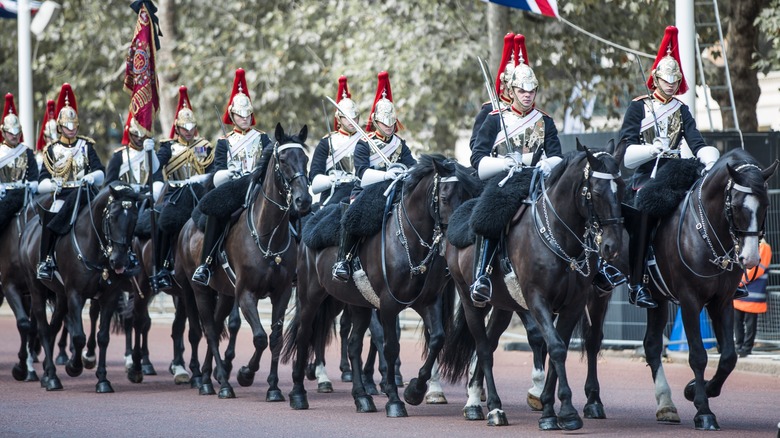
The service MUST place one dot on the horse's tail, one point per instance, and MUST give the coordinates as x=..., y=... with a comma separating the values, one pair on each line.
x=123, y=312
x=591, y=326
x=459, y=349
x=323, y=329
x=448, y=303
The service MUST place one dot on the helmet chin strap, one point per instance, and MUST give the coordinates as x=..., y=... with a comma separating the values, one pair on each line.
x=661, y=92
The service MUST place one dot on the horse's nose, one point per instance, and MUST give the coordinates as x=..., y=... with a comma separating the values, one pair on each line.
x=303, y=204
x=749, y=261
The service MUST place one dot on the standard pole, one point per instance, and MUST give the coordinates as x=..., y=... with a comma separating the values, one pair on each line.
x=686, y=26
x=25, y=72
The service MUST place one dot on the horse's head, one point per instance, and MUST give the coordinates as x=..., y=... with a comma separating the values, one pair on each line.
x=447, y=183
x=291, y=168
x=746, y=203
x=119, y=218
x=601, y=195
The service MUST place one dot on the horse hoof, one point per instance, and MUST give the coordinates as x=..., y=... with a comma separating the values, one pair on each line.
x=19, y=372
x=181, y=378
x=32, y=376
x=196, y=382
x=104, y=387
x=346, y=376
x=274, y=395
x=435, y=398
x=72, y=370
x=61, y=359
x=89, y=361
x=371, y=389
x=690, y=390
x=52, y=384
x=534, y=402
x=549, y=423
x=473, y=413
x=311, y=371
x=135, y=376
x=226, y=392
x=705, y=422
x=299, y=401
x=364, y=404
x=325, y=387
x=148, y=370
x=667, y=415
x=207, y=389
x=395, y=410
x=245, y=376
x=594, y=410
x=497, y=417
x=413, y=394
x=573, y=422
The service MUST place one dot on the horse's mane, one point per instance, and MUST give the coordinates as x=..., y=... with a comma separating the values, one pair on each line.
x=575, y=157
x=470, y=183
x=737, y=157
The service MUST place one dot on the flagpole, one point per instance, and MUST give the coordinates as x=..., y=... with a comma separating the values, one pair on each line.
x=25, y=109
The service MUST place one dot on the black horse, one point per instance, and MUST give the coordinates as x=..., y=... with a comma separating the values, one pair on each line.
x=701, y=251
x=260, y=253
x=406, y=271
x=92, y=258
x=552, y=250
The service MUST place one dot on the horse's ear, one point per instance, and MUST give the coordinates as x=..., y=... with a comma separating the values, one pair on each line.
x=580, y=146
x=732, y=173
x=620, y=150
x=279, y=132
x=611, y=146
x=303, y=134
x=770, y=171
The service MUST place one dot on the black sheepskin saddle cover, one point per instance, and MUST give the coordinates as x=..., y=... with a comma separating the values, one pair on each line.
x=459, y=232
x=60, y=224
x=12, y=202
x=661, y=196
x=225, y=199
x=364, y=216
x=497, y=205
x=178, y=210
x=323, y=228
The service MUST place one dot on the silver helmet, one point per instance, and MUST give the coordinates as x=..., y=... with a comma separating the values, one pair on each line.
x=523, y=77
x=384, y=111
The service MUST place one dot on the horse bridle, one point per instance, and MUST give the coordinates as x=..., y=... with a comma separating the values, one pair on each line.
x=729, y=258
x=286, y=194
x=593, y=228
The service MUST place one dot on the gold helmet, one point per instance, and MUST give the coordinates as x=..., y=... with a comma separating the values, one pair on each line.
x=11, y=122
x=67, y=113
x=185, y=117
x=132, y=127
x=524, y=78
x=240, y=103
x=345, y=102
x=667, y=63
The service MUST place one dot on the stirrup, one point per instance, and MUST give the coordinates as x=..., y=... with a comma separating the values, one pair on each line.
x=639, y=296
x=608, y=277
x=740, y=293
x=202, y=275
x=162, y=280
x=45, y=271
x=481, y=291
x=341, y=272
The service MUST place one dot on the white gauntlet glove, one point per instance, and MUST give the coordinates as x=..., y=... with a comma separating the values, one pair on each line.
x=708, y=155
x=149, y=145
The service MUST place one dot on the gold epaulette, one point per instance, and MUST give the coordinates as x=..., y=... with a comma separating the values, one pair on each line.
x=85, y=138
x=543, y=113
x=495, y=111
x=640, y=98
x=120, y=149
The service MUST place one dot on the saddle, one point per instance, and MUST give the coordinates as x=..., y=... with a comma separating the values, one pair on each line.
x=322, y=229
x=364, y=216
x=73, y=203
x=498, y=205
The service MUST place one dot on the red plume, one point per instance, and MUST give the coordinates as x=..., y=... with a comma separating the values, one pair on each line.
x=382, y=87
x=238, y=81
x=342, y=92
x=10, y=108
x=48, y=115
x=669, y=46
x=505, y=57
x=126, y=130
x=66, y=95
x=520, y=51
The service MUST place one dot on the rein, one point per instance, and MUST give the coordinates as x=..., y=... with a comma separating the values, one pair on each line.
x=593, y=227
x=286, y=194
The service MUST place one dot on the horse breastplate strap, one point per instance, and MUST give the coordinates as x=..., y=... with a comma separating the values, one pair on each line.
x=13, y=163
x=526, y=134
x=669, y=122
x=343, y=151
x=245, y=150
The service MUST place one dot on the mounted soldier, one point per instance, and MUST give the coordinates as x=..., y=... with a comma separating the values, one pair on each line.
x=527, y=129
x=69, y=163
x=188, y=163
x=386, y=159
x=237, y=154
x=128, y=162
x=18, y=169
x=654, y=127
x=332, y=164
x=48, y=131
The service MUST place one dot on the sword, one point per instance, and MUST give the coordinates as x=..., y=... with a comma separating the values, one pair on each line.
x=363, y=133
x=224, y=133
x=127, y=151
x=493, y=98
x=655, y=119
x=330, y=142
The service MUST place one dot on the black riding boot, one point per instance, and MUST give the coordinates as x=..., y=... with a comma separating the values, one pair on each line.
x=608, y=277
x=482, y=289
x=342, y=269
x=638, y=294
x=162, y=280
x=202, y=274
x=46, y=265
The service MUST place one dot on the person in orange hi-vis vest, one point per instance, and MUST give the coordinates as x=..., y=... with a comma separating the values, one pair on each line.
x=746, y=309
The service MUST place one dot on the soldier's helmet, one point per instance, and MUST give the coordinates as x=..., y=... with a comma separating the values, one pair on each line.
x=240, y=103
x=667, y=63
x=11, y=122
x=67, y=109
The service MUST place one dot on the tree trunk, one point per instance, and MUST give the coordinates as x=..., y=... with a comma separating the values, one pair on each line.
x=167, y=74
x=742, y=42
x=498, y=26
